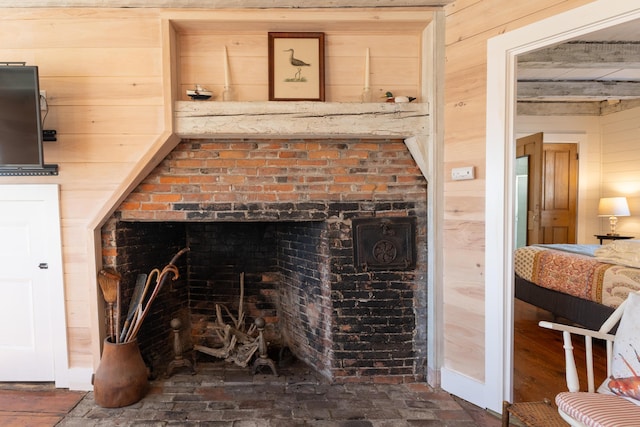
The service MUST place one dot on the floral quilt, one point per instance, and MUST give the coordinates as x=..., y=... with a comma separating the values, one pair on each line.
x=576, y=274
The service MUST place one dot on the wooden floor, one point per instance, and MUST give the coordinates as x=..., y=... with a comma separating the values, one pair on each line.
x=35, y=404
x=539, y=357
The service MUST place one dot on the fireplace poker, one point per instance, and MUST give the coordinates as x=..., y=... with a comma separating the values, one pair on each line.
x=140, y=303
x=135, y=300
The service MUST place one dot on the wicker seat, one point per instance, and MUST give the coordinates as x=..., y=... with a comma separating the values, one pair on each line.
x=532, y=414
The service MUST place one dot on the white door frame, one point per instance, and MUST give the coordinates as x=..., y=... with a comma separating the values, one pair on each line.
x=48, y=194
x=500, y=154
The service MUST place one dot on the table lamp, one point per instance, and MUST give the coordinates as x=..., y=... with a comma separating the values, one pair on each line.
x=613, y=207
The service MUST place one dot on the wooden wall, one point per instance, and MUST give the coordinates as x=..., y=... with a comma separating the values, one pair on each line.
x=469, y=24
x=620, y=171
x=394, y=63
x=105, y=74
x=102, y=72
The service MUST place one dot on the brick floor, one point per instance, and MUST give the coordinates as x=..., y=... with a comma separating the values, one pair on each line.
x=223, y=395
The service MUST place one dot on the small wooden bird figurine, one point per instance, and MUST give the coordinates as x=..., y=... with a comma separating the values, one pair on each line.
x=391, y=98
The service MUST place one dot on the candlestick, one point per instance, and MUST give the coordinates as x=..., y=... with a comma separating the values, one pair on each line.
x=226, y=93
x=366, y=71
x=226, y=69
x=366, y=91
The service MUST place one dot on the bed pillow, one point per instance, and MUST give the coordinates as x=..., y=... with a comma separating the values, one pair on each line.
x=625, y=365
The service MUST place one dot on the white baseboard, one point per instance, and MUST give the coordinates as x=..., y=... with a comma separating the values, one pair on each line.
x=79, y=379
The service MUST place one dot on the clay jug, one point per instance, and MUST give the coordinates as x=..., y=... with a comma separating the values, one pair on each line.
x=121, y=377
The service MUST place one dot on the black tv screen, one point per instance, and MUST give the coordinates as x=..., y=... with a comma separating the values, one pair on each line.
x=20, y=121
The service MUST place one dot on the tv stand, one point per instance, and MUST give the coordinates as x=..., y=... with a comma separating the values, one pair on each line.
x=45, y=170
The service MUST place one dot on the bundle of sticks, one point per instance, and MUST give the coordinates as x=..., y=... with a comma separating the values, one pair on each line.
x=239, y=342
x=146, y=290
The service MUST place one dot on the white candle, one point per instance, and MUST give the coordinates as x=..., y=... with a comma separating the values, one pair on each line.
x=366, y=70
x=226, y=69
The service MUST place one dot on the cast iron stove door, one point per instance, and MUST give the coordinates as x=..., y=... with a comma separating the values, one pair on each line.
x=384, y=243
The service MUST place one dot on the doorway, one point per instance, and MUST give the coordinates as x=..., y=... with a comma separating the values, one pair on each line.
x=502, y=58
x=529, y=149
x=546, y=191
x=33, y=339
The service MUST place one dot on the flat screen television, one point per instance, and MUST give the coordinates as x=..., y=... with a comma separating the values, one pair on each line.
x=21, y=137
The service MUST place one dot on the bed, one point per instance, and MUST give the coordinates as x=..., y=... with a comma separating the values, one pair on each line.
x=580, y=283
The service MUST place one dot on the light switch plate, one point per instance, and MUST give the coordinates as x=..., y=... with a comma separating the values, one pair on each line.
x=460, y=174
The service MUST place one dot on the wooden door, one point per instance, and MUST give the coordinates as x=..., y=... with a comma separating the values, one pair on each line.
x=26, y=287
x=560, y=183
x=531, y=147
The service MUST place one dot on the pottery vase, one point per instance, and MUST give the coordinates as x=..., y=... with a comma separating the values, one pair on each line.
x=121, y=377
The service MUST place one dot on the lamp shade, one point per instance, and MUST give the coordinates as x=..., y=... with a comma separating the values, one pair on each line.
x=613, y=206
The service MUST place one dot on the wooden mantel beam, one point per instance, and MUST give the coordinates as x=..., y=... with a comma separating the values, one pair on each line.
x=571, y=90
x=195, y=119
x=228, y=4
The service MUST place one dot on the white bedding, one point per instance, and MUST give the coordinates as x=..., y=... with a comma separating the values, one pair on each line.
x=621, y=252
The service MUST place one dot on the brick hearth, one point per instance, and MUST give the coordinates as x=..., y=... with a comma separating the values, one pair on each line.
x=281, y=212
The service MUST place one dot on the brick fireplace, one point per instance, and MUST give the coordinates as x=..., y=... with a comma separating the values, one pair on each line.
x=281, y=212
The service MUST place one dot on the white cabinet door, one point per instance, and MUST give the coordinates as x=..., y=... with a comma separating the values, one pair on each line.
x=27, y=287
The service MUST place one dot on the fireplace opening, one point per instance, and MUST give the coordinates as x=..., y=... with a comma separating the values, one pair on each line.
x=340, y=279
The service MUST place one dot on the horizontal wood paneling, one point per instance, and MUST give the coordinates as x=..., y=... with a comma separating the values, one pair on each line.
x=83, y=62
x=106, y=119
x=279, y=4
x=102, y=71
x=81, y=340
x=102, y=90
x=467, y=32
x=620, y=170
x=506, y=16
x=394, y=64
x=76, y=148
x=462, y=206
x=465, y=343
x=59, y=33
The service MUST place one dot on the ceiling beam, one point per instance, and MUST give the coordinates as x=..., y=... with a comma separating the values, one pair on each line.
x=558, y=108
x=584, y=55
x=227, y=4
x=616, y=107
x=572, y=90
x=602, y=108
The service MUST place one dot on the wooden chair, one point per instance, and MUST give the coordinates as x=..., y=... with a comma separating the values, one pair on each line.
x=600, y=407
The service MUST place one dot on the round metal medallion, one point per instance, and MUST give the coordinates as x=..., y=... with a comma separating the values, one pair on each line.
x=385, y=252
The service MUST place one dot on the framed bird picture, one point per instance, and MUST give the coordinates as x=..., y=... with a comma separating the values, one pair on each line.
x=296, y=66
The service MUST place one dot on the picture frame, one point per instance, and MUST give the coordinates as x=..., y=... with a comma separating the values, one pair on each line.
x=296, y=66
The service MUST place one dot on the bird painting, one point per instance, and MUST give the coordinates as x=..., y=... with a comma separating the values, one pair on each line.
x=391, y=98
x=298, y=64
